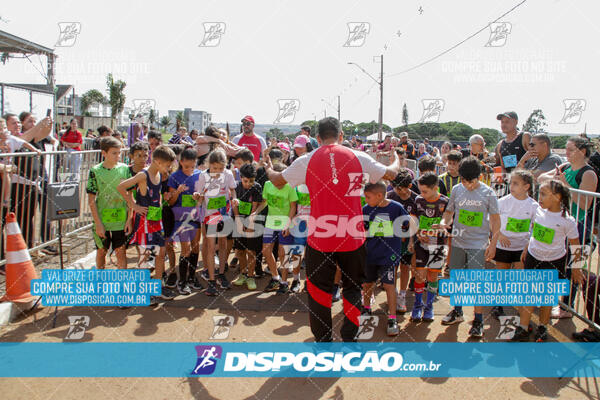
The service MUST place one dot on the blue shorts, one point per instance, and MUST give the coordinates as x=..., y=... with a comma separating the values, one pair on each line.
x=270, y=235
x=300, y=231
x=384, y=272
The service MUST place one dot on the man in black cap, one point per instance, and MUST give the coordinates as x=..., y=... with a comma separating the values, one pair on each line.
x=513, y=147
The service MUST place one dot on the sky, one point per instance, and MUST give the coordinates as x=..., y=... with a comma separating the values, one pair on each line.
x=276, y=52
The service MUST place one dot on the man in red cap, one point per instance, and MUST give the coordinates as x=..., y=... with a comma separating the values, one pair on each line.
x=255, y=143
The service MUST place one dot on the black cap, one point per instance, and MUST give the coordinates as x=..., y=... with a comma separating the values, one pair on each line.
x=509, y=114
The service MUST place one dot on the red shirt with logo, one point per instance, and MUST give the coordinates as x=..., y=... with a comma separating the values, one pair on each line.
x=254, y=143
x=335, y=176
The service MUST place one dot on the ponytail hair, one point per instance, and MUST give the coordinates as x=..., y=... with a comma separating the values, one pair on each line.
x=557, y=187
x=526, y=176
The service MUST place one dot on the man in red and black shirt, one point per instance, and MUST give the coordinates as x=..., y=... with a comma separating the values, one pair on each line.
x=334, y=175
x=253, y=142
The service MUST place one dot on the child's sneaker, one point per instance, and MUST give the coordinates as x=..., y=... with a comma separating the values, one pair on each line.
x=167, y=294
x=195, y=284
x=541, y=335
x=417, y=313
x=476, y=329
x=453, y=317
x=241, y=280
x=392, y=327
x=295, y=288
x=183, y=289
x=272, y=285
x=211, y=290
x=153, y=301
x=428, y=313
x=171, y=281
x=497, y=312
x=366, y=311
x=283, y=288
x=204, y=274
x=521, y=335
x=401, y=304
x=223, y=282
x=251, y=284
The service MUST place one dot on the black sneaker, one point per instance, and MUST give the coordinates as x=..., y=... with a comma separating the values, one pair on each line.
x=195, y=284
x=258, y=273
x=183, y=289
x=153, y=301
x=476, y=329
x=497, y=312
x=272, y=285
x=223, y=282
x=283, y=288
x=204, y=274
x=234, y=262
x=453, y=317
x=167, y=294
x=337, y=294
x=295, y=288
x=411, y=284
x=586, y=335
x=366, y=311
x=211, y=290
x=521, y=335
x=541, y=335
x=171, y=280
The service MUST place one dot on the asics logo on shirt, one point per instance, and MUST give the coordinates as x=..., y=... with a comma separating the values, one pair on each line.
x=476, y=203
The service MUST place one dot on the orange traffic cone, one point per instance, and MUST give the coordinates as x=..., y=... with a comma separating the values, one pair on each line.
x=19, y=268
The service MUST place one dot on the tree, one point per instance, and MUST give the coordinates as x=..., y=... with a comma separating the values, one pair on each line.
x=313, y=126
x=491, y=136
x=152, y=117
x=165, y=122
x=179, y=120
x=559, y=142
x=348, y=128
x=404, y=115
x=90, y=97
x=535, y=123
x=276, y=133
x=116, y=97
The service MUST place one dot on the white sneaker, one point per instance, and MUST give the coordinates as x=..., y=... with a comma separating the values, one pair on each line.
x=401, y=304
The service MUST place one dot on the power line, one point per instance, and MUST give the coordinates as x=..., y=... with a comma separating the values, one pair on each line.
x=456, y=45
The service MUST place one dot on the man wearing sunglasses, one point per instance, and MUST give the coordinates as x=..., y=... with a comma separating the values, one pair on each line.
x=539, y=158
x=253, y=142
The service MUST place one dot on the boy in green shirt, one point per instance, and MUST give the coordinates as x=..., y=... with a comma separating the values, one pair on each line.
x=108, y=208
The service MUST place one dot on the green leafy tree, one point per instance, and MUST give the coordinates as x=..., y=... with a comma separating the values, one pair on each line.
x=152, y=117
x=179, y=120
x=404, y=115
x=559, y=142
x=90, y=97
x=536, y=122
x=165, y=122
x=116, y=96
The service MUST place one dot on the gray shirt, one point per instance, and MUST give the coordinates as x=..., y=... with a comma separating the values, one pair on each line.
x=472, y=211
x=547, y=164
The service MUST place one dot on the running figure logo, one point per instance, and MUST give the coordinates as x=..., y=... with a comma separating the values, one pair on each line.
x=287, y=110
x=207, y=359
x=437, y=256
x=68, y=33
x=432, y=109
x=142, y=107
x=498, y=34
x=366, y=326
x=222, y=326
x=77, y=327
x=212, y=34
x=357, y=34
x=573, y=110
x=508, y=324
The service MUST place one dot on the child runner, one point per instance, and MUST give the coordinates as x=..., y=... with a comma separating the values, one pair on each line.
x=450, y=178
x=148, y=229
x=430, y=247
x=473, y=207
x=214, y=190
x=552, y=226
x=187, y=227
x=246, y=242
x=300, y=232
x=516, y=213
x=108, y=208
x=383, y=248
x=403, y=194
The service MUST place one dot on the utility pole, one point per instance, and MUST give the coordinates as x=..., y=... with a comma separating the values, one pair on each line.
x=380, y=134
x=339, y=118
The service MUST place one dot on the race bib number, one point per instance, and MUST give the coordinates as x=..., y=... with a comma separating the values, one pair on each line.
x=518, y=225
x=470, y=218
x=381, y=228
x=276, y=201
x=187, y=200
x=425, y=222
x=154, y=213
x=543, y=234
x=216, y=202
x=510, y=161
x=114, y=215
x=304, y=199
x=244, y=207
